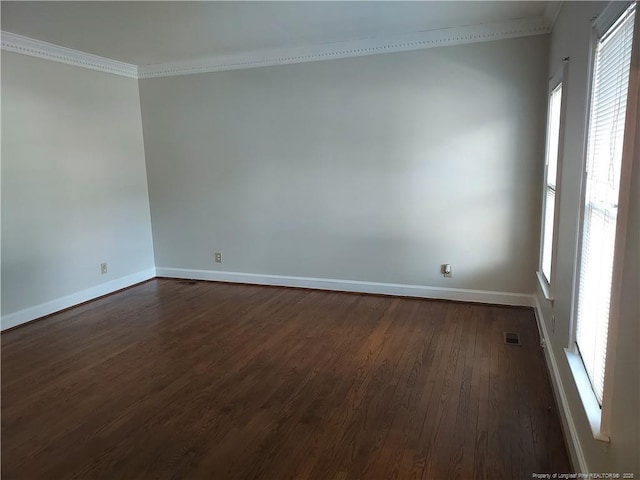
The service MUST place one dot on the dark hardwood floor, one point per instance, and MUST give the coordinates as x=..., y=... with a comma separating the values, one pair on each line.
x=176, y=379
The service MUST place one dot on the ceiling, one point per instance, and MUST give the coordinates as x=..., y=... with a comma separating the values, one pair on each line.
x=148, y=33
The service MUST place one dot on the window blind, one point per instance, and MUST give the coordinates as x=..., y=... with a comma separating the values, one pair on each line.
x=604, y=160
x=553, y=135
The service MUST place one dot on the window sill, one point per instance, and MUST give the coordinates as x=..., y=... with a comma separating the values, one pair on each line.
x=585, y=392
x=544, y=286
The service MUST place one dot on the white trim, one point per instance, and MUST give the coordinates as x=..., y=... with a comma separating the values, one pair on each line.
x=353, y=48
x=552, y=12
x=629, y=152
x=402, y=290
x=12, y=42
x=559, y=79
x=587, y=396
x=609, y=16
x=32, y=313
x=593, y=42
x=544, y=286
x=601, y=426
x=564, y=80
x=569, y=428
x=283, y=56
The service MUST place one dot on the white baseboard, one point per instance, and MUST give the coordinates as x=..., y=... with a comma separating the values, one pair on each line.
x=569, y=427
x=463, y=295
x=32, y=313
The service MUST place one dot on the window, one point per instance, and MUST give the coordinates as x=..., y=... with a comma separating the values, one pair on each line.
x=602, y=195
x=550, y=196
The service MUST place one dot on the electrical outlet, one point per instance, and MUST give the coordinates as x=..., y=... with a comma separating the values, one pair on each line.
x=446, y=270
x=103, y=268
x=218, y=257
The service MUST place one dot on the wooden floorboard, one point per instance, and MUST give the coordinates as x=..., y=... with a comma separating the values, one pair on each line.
x=177, y=379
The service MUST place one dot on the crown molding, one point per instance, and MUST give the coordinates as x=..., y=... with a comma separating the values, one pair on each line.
x=353, y=48
x=283, y=56
x=552, y=11
x=12, y=42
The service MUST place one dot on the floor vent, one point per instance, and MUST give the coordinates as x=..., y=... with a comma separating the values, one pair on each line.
x=511, y=338
x=187, y=282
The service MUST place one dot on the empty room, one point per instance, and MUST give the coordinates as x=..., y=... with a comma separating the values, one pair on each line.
x=320, y=240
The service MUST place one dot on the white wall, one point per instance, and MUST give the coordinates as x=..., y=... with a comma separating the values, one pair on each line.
x=570, y=38
x=376, y=168
x=74, y=190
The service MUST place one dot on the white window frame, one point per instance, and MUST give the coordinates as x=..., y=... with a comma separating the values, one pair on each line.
x=600, y=417
x=548, y=285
